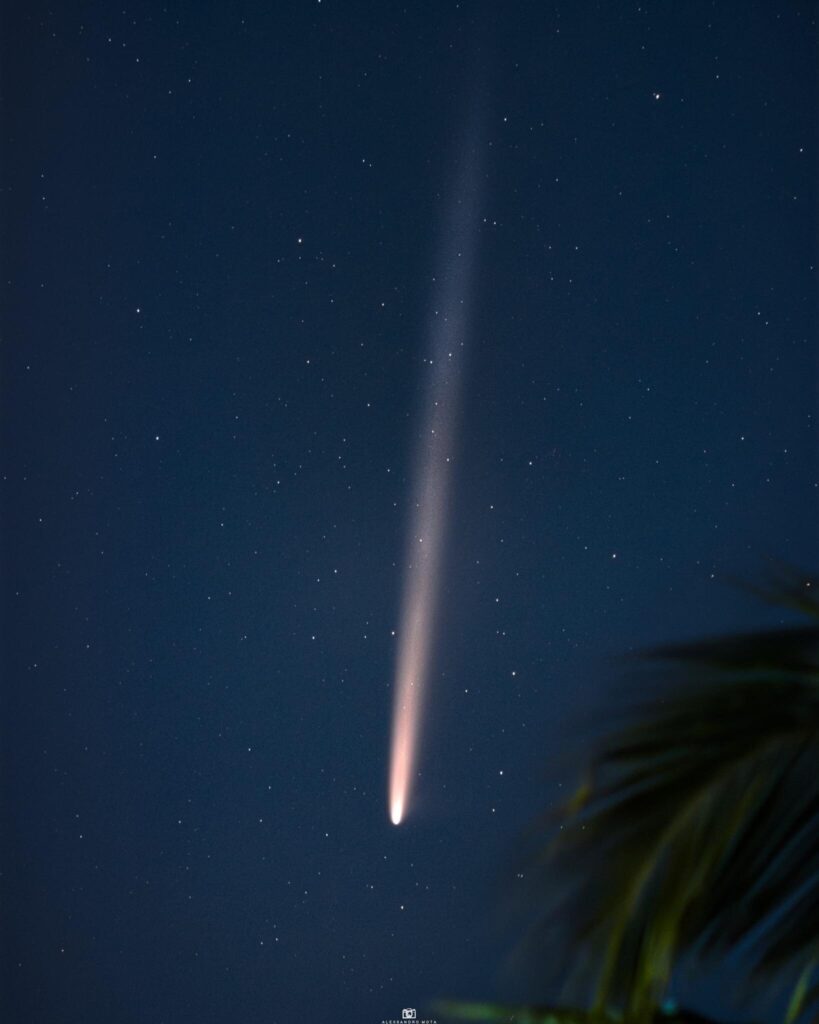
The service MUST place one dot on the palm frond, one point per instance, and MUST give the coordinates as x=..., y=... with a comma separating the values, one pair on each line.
x=788, y=587
x=701, y=826
x=804, y=994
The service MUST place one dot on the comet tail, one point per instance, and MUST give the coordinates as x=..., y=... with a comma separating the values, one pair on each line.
x=432, y=479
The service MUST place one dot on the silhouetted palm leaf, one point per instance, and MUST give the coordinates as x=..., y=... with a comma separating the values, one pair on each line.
x=699, y=829
x=787, y=587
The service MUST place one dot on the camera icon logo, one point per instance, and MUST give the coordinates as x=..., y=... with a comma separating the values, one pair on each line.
x=408, y=1015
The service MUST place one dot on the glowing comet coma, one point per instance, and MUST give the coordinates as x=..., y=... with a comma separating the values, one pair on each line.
x=447, y=331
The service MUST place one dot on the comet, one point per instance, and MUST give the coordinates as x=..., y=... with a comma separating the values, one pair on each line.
x=448, y=325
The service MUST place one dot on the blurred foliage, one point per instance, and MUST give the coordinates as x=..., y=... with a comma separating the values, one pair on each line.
x=695, y=830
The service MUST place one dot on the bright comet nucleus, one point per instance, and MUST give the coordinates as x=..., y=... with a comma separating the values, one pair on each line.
x=448, y=325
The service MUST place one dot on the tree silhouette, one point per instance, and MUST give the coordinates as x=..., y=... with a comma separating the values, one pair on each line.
x=696, y=829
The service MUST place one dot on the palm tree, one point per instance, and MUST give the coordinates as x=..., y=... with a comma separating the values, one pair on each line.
x=696, y=830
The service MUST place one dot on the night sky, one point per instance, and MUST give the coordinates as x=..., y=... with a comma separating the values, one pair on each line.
x=220, y=228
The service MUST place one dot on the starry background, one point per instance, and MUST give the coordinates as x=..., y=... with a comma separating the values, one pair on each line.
x=220, y=223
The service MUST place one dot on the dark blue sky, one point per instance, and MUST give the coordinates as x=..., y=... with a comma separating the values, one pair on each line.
x=220, y=224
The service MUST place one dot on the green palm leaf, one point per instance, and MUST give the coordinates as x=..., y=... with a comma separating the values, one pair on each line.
x=700, y=829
